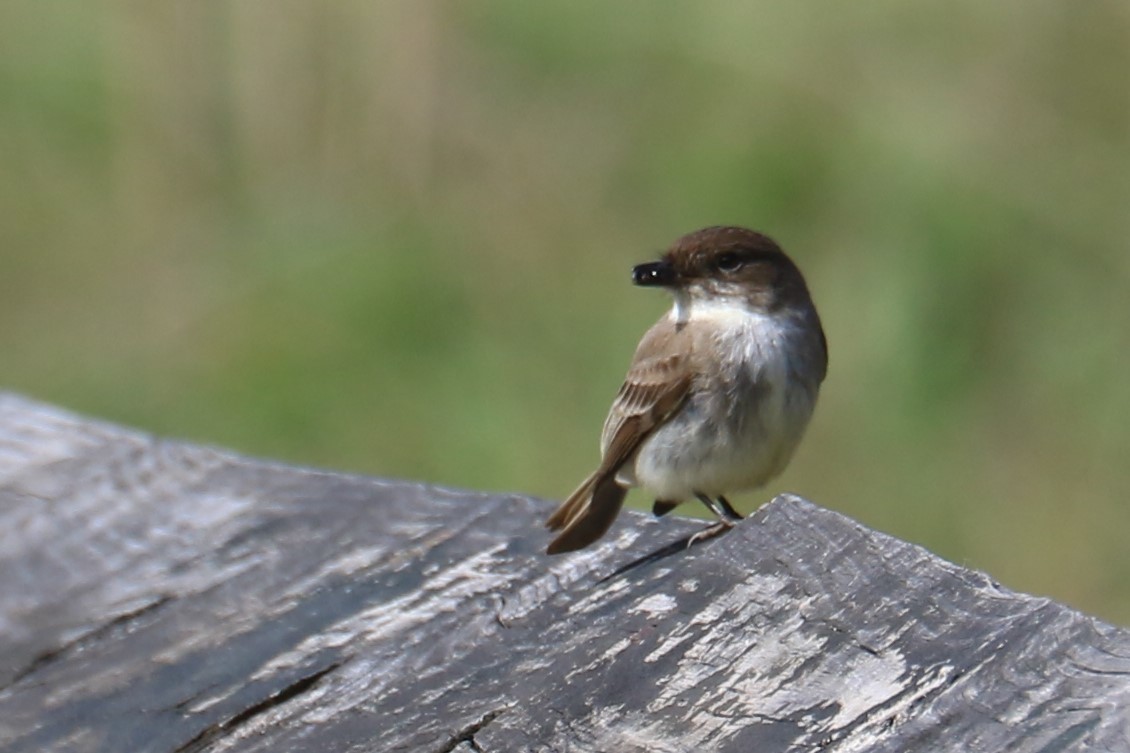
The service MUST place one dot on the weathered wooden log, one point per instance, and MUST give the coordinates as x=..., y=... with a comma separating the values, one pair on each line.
x=161, y=596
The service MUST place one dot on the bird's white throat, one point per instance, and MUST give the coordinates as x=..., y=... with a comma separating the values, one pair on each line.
x=723, y=312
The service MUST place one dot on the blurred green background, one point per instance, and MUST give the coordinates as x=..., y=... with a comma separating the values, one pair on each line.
x=395, y=237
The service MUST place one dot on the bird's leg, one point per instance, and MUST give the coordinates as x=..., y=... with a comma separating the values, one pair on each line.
x=727, y=518
x=721, y=507
x=711, y=505
x=730, y=511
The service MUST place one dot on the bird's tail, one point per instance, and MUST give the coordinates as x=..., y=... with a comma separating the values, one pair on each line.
x=587, y=513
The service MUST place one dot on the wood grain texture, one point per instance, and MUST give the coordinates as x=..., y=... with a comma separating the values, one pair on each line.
x=160, y=596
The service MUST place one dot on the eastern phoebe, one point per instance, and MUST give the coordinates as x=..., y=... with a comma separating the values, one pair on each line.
x=720, y=389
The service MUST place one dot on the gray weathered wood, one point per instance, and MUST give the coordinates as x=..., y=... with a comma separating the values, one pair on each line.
x=160, y=596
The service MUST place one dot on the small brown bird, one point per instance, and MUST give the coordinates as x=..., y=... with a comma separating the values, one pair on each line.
x=719, y=392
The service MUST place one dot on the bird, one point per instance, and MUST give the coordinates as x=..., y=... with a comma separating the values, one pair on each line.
x=719, y=392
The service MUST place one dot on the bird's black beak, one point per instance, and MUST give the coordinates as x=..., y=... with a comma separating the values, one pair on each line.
x=654, y=274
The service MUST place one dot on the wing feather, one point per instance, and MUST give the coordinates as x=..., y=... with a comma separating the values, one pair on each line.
x=657, y=383
x=652, y=391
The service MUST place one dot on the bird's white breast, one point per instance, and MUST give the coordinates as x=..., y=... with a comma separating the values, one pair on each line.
x=746, y=412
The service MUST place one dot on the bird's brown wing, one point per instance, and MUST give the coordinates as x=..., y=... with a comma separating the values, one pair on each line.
x=657, y=383
x=651, y=392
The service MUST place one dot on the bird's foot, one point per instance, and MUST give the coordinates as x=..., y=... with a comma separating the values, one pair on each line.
x=712, y=531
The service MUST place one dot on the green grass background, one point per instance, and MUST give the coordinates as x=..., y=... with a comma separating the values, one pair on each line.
x=395, y=237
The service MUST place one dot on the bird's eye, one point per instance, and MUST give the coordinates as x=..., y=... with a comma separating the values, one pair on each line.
x=729, y=262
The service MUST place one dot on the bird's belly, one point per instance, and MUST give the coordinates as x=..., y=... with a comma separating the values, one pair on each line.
x=711, y=448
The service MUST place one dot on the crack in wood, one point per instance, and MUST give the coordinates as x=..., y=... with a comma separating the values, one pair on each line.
x=211, y=733
x=886, y=714
x=679, y=545
x=91, y=636
x=467, y=734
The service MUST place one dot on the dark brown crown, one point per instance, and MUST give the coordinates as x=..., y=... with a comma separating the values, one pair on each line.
x=710, y=241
